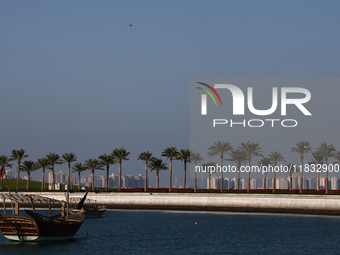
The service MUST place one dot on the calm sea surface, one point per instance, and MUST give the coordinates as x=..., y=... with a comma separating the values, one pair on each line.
x=168, y=232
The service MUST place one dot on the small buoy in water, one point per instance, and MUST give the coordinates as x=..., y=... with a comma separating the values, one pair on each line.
x=195, y=222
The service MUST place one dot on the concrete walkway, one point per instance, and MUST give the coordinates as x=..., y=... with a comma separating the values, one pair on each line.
x=265, y=203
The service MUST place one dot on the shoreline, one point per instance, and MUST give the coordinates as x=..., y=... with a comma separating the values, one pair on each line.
x=242, y=203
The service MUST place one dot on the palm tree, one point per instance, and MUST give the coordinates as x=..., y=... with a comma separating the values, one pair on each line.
x=251, y=150
x=93, y=164
x=239, y=157
x=146, y=156
x=107, y=160
x=120, y=154
x=68, y=158
x=157, y=165
x=275, y=157
x=219, y=148
x=28, y=166
x=327, y=151
x=184, y=155
x=18, y=155
x=43, y=163
x=53, y=159
x=4, y=162
x=264, y=162
x=78, y=168
x=170, y=153
x=195, y=158
x=302, y=147
x=291, y=169
x=208, y=166
x=337, y=157
x=317, y=160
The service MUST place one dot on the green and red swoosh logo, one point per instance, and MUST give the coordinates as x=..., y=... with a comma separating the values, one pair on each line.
x=209, y=93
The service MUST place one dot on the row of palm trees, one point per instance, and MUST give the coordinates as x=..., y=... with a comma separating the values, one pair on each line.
x=52, y=159
x=116, y=157
x=246, y=151
x=243, y=154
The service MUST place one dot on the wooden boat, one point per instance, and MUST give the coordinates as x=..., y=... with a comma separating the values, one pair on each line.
x=91, y=210
x=94, y=212
x=37, y=227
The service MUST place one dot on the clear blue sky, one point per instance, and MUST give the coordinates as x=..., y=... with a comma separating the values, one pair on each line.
x=75, y=77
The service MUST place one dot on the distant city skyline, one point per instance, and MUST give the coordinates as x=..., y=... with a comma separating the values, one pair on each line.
x=137, y=181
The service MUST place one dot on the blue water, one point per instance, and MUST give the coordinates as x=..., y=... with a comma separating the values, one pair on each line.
x=167, y=232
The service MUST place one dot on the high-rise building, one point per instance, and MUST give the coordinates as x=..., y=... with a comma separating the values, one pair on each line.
x=9, y=174
x=216, y=182
x=50, y=177
x=243, y=183
x=295, y=181
x=226, y=183
x=253, y=184
x=213, y=181
x=282, y=183
x=268, y=182
x=83, y=180
x=113, y=181
x=72, y=180
x=60, y=177
x=310, y=183
x=233, y=183
x=103, y=181
x=334, y=183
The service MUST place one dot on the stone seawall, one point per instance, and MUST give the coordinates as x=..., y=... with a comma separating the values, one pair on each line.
x=259, y=203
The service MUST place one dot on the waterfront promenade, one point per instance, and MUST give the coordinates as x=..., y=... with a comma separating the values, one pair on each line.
x=256, y=203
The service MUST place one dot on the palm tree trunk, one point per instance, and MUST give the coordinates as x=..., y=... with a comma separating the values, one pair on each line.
x=170, y=175
x=264, y=180
x=209, y=183
x=120, y=175
x=238, y=177
x=157, y=179
x=2, y=176
x=274, y=178
x=43, y=180
x=185, y=172
x=67, y=190
x=146, y=176
x=107, y=177
x=28, y=180
x=79, y=181
x=53, y=183
x=195, y=180
x=18, y=175
x=318, y=182
x=221, y=174
x=326, y=162
x=248, y=188
x=290, y=181
x=93, y=180
x=301, y=177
